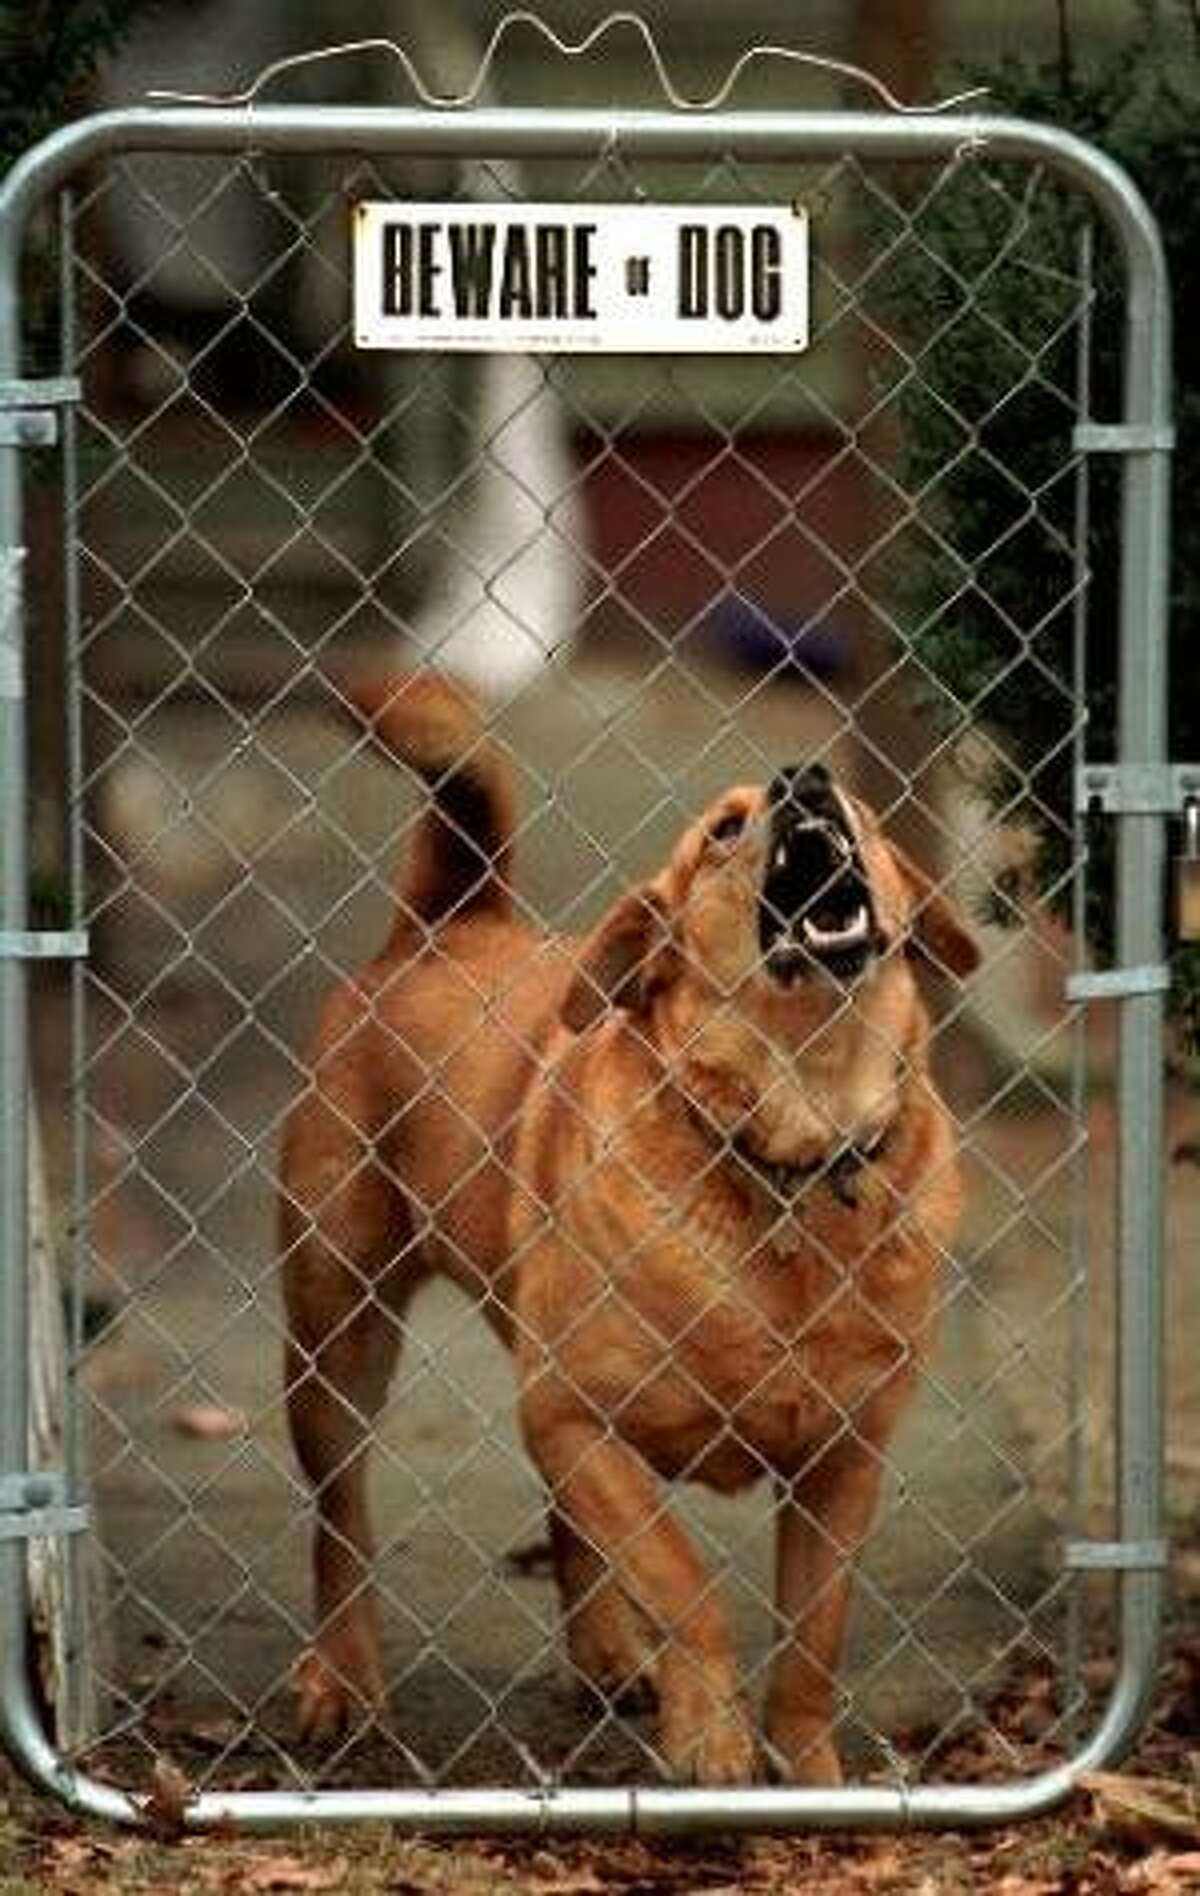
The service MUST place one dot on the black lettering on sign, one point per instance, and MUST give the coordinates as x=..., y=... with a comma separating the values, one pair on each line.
x=585, y=272
x=637, y=276
x=397, y=247
x=428, y=270
x=472, y=247
x=766, y=268
x=717, y=275
x=730, y=272
x=547, y=273
x=550, y=254
x=693, y=270
x=486, y=269
x=518, y=272
x=410, y=269
x=515, y=297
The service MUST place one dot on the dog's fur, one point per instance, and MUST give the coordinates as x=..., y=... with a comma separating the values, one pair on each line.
x=700, y=1195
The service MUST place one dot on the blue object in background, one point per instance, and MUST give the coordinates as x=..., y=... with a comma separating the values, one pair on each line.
x=752, y=637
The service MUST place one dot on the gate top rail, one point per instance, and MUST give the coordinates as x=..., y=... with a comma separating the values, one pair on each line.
x=528, y=131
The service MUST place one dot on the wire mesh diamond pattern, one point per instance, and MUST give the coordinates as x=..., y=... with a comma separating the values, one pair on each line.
x=748, y=564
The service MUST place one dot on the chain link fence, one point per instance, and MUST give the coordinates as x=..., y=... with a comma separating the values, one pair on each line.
x=665, y=576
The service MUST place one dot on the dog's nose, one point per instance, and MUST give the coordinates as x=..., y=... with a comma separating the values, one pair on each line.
x=808, y=788
x=807, y=824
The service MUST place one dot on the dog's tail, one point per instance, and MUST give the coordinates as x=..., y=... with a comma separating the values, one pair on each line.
x=461, y=855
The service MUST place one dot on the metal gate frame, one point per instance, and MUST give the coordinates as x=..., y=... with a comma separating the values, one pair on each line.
x=1136, y=791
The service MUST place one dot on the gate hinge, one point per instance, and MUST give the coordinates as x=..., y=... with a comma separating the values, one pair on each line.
x=37, y=1505
x=1093, y=437
x=1117, y=984
x=1087, y=1556
x=45, y=944
x=1135, y=789
x=28, y=417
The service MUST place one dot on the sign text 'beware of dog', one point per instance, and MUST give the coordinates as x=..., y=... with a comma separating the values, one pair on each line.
x=581, y=278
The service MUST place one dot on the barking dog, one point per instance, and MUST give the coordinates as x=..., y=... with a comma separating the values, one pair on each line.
x=695, y=1172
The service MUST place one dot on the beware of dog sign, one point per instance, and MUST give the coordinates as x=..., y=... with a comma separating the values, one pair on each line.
x=594, y=277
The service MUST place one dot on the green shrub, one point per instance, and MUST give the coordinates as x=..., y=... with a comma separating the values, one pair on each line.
x=990, y=297
x=49, y=50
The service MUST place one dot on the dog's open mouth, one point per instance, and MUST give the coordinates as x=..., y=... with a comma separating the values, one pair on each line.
x=815, y=911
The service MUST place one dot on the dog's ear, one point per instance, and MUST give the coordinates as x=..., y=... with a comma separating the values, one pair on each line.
x=937, y=926
x=623, y=958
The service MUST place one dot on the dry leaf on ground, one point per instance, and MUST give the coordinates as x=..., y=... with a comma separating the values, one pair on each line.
x=261, y=1874
x=165, y=1808
x=208, y=1421
x=1144, y=1807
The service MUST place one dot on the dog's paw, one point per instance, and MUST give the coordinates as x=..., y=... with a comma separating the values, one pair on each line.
x=803, y=1753
x=706, y=1738
x=327, y=1704
x=722, y=1753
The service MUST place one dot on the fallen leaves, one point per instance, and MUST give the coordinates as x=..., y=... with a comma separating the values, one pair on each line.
x=267, y=1872
x=1061, y=1857
x=1164, y=1874
x=76, y=1863
x=165, y=1808
x=1144, y=1809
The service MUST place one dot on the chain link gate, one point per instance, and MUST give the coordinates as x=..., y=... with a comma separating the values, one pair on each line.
x=248, y=526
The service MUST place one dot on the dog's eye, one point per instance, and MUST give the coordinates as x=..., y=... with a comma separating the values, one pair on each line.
x=728, y=829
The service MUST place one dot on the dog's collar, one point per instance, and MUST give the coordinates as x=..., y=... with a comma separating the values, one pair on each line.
x=839, y=1168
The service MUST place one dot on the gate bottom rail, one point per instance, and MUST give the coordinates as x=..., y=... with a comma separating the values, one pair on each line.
x=630, y=1810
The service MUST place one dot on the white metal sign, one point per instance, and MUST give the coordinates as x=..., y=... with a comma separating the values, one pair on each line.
x=594, y=277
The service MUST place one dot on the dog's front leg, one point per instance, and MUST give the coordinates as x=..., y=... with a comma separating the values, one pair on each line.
x=606, y=1637
x=824, y=1516
x=612, y=1504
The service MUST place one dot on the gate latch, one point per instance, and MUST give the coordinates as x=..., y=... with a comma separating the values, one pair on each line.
x=1162, y=789
x=1121, y=1556
x=1135, y=789
x=1187, y=875
x=28, y=409
x=33, y=1505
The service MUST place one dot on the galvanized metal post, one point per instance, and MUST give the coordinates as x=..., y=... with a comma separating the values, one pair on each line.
x=1142, y=738
x=14, y=1325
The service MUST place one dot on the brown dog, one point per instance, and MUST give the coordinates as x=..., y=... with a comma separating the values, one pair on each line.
x=695, y=1172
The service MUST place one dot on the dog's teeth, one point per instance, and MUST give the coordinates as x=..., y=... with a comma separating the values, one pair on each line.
x=826, y=940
